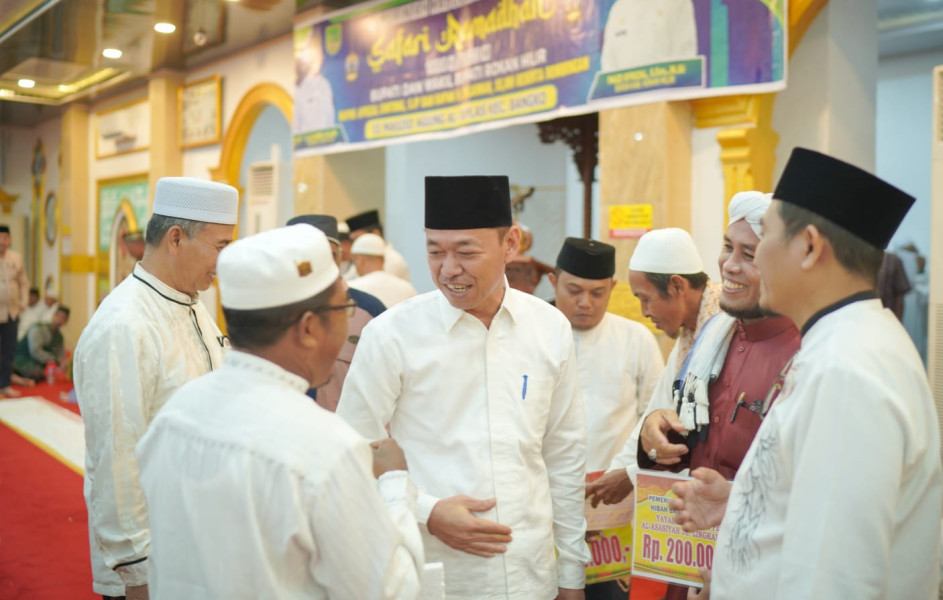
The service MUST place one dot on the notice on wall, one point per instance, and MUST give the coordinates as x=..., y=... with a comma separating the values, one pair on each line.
x=663, y=550
x=630, y=221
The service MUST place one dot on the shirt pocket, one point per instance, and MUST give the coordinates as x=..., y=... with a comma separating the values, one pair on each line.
x=535, y=405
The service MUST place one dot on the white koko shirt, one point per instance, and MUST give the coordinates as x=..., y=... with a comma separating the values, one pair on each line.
x=619, y=364
x=254, y=491
x=144, y=341
x=488, y=413
x=839, y=495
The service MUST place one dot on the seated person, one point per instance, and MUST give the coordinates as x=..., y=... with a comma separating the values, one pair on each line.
x=43, y=344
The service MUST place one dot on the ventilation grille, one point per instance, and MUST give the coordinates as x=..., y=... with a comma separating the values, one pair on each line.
x=262, y=181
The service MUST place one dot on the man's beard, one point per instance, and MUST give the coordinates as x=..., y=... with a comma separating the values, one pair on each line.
x=753, y=312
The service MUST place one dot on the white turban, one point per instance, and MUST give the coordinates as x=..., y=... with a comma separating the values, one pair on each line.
x=667, y=251
x=749, y=206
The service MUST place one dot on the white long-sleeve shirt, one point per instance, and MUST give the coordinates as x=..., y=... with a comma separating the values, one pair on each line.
x=488, y=413
x=254, y=491
x=389, y=288
x=144, y=341
x=619, y=365
x=839, y=496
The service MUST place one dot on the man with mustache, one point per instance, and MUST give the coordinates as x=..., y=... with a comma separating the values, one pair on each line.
x=840, y=493
x=478, y=384
x=740, y=355
x=667, y=275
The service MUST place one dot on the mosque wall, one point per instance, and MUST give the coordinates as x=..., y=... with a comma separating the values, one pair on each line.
x=904, y=123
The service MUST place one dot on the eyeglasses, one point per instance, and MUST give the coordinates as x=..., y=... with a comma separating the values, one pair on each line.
x=350, y=307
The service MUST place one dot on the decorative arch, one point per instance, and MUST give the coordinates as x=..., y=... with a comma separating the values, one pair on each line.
x=237, y=134
x=236, y=138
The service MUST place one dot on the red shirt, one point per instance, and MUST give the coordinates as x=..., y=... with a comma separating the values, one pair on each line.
x=757, y=354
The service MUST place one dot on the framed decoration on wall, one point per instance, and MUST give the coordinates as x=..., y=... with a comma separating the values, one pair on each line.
x=122, y=208
x=50, y=219
x=200, y=105
x=123, y=128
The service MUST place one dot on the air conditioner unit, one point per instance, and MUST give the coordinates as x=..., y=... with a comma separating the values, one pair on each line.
x=262, y=197
x=935, y=316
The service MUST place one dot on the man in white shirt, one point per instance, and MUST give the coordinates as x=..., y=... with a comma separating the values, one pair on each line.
x=369, y=222
x=149, y=336
x=367, y=252
x=253, y=490
x=314, y=98
x=478, y=382
x=840, y=493
x=619, y=360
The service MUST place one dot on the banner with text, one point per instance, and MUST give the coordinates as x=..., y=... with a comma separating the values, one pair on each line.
x=399, y=70
x=663, y=550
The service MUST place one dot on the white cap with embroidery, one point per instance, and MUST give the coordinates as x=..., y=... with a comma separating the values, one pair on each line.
x=668, y=251
x=275, y=268
x=197, y=200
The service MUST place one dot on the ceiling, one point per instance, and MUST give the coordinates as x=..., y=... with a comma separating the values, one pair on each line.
x=58, y=44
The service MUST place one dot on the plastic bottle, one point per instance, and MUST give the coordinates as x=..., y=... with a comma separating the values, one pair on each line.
x=50, y=372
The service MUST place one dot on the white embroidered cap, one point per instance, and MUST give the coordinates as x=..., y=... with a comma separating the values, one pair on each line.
x=369, y=244
x=197, y=200
x=749, y=206
x=669, y=251
x=275, y=268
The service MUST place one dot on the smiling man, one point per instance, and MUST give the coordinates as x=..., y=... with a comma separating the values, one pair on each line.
x=739, y=356
x=839, y=496
x=478, y=384
x=149, y=336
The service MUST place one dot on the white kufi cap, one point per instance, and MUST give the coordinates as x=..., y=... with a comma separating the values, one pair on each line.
x=369, y=244
x=275, y=268
x=749, y=206
x=668, y=251
x=197, y=200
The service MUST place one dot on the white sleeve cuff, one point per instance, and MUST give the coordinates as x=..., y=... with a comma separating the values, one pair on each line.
x=424, y=504
x=571, y=575
x=397, y=488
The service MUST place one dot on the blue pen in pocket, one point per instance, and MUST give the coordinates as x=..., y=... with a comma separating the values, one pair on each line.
x=524, y=389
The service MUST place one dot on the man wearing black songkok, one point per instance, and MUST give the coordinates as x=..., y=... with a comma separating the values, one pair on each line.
x=840, y=494
x=478, y=384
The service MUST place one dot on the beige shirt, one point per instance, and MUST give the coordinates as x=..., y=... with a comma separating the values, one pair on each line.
x=14, y=287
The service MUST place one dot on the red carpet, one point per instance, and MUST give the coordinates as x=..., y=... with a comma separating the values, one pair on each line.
x=43, y=523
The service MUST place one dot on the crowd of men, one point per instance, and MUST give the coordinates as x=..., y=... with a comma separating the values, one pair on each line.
x=457, y=427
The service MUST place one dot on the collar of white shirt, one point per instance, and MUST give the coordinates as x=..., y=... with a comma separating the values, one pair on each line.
x=264, y=369
x=511, y=304
x=162, y=288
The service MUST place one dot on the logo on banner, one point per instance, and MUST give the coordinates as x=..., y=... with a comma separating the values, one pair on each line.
x=333, y=38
